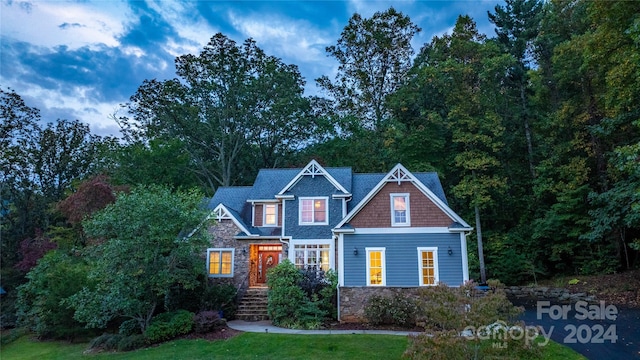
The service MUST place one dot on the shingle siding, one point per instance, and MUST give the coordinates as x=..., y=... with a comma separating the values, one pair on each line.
x=401, y=257
x=309, y=186
x=423, y=212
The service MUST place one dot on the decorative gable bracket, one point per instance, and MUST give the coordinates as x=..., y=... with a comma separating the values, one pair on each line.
x=313, y=169
x=220, y=213
x=399, y=174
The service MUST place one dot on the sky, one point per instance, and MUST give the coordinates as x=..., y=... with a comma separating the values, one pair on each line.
x=82, y=59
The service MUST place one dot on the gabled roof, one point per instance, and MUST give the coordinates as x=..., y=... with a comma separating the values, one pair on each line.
x=228, y=203
x=269, y=182
x=314, y=169
x=427, y=183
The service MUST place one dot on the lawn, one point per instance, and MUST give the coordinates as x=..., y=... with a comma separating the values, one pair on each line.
x=245, y=346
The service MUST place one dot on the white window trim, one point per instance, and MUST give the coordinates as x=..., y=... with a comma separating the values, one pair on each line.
x=436, y=275
x=221, y=250
x=293, y=243
x=326, y=203
x=393, y=215
x=383, y=263
x=264, y=215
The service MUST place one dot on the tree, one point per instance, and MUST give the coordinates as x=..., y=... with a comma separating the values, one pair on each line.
x=465, y=73
x=40, y=302
x=374, y=56
x=517, y=25
x=20, y=208
x=145, y=252
x=64, y=151
x=228, y=99
x=593, y=67
x=159, y=162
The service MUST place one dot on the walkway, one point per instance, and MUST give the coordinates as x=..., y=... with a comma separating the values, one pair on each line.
x=266, y=327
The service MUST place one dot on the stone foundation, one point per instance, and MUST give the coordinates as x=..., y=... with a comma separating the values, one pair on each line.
x=353, y=299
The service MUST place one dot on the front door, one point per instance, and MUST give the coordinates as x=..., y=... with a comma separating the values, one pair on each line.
x=268, y=257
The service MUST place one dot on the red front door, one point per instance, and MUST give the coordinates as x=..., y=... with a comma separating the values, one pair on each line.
x=267, y=258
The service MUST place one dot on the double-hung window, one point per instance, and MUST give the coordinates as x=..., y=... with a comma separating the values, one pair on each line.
x=270, y=215
x=428, y=265
x=220, y=262
x=376, y=268
x=400, y=210
x=313, y=211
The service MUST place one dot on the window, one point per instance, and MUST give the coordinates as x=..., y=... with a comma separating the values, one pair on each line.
x=400, y=210
x=270, y=215
x=428, y=266
x=312, y=255
x=313, y=211
x=376, y=274
x=220, y=262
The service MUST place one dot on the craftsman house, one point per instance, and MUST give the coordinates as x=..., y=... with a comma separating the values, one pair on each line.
x=380, y=232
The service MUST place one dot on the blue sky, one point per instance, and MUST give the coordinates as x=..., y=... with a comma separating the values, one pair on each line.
x=81, y=59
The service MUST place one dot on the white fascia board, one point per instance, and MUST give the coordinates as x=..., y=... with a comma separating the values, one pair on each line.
x=411, y=178
x=460, y=230
x=254, y=237
x=258, y=201
x=343, y=231
x=323, y=172
x=285, y=197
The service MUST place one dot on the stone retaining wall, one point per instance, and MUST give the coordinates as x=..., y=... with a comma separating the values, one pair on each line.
x=547, y=293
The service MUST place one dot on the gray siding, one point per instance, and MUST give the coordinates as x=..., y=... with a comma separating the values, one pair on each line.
x=402, y=257
x=310, y=187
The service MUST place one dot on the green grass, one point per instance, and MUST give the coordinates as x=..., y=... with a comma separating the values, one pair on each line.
x=245, y=346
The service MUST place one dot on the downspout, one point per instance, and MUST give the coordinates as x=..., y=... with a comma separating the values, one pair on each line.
x=335, y=239
x=282, y=232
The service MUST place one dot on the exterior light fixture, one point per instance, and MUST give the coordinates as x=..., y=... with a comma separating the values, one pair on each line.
x=450, y=252
x=355, y=251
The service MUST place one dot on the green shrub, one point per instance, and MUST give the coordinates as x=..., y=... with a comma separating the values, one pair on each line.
x=129, y=327
x=167, y=326
x=449, y=312
x=395, y=310
x=219, y=297
x=442, y=345
x=108, y=342
x=328, y=294
x=131, y=342
x=285, y=296
x=300, y=299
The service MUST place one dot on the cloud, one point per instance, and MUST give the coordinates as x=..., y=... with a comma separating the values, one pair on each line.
x=65, y=26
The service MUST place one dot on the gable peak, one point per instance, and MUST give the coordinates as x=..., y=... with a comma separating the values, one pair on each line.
x=313, y=169
x=220, y=213
x=399, y=174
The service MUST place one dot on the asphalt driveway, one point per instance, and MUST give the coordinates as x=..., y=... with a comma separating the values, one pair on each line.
x=597, y=331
